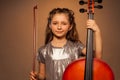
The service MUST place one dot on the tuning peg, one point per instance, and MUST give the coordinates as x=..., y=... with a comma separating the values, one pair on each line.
x=81, y=2
x=82, y=10
x=99, y=1
x=98, y=6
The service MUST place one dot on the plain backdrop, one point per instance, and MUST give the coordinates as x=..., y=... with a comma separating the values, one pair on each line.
x=16, y=33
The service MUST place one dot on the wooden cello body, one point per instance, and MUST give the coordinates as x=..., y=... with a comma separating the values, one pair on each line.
x=75, y=71
x=89, y=68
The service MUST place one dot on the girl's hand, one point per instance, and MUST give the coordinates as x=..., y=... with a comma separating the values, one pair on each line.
x=33, y=75
x=98, y=40
x=92, y=25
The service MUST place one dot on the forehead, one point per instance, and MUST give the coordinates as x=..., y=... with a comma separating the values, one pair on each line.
x=60, y=16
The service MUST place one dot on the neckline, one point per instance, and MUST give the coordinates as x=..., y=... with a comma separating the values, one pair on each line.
x=59, y=47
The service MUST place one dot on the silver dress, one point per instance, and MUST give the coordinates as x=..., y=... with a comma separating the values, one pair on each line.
x=56, y=59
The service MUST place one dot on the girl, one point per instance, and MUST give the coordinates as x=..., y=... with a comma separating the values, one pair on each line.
x=62, y=45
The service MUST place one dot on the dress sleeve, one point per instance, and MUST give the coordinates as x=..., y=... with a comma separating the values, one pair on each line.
x=40, y=56
x=80, y=47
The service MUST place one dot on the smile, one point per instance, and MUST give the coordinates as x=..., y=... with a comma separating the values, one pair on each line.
x=59, y=31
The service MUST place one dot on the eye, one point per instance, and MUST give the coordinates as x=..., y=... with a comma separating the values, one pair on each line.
x=54, y=23
x=64, y=23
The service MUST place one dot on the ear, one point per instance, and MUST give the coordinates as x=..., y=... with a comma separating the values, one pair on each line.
x=70, y=27
x=50, y=26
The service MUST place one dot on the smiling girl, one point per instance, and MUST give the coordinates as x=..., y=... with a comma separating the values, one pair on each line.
x=62, y=45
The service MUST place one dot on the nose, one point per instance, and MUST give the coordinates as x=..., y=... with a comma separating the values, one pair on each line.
x=59, y=27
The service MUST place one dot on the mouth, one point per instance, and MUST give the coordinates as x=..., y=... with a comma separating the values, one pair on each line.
x=59, y=31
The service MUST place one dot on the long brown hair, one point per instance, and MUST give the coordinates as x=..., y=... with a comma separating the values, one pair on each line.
x=72, y=35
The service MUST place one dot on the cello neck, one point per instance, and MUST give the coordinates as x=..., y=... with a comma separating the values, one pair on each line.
x=89, y=45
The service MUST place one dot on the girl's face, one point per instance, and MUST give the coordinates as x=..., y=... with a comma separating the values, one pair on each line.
x=60, y=25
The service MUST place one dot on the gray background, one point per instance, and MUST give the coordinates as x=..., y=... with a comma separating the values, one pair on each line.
x=16, y=33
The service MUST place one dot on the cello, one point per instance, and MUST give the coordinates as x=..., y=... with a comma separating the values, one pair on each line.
x=89, y=68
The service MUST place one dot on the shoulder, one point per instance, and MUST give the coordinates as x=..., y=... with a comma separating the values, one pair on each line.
x=43, y=48
x=76, y=44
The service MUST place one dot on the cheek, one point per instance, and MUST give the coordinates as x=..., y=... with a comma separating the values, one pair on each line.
x=51, y=27
x=67, y=28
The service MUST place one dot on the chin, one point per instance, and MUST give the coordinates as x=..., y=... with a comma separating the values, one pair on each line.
x=60, y=36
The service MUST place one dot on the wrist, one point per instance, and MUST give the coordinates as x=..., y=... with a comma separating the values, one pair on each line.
x=40, y=77
x=97, y=32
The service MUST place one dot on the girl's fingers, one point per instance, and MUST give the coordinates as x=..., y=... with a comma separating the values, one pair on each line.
x=92, y=25
x=33, y=76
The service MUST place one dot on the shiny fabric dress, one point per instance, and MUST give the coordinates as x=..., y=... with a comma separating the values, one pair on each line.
x=56, y=59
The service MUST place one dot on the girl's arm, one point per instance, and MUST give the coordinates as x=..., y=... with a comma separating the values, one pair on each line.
x=41, y=73
x=98, y=44
x=97, y=38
